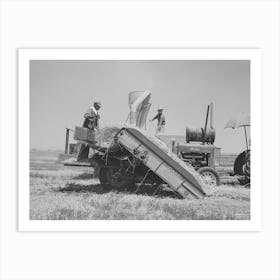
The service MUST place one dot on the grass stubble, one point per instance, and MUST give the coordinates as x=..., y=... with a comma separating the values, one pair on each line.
x=71, y=193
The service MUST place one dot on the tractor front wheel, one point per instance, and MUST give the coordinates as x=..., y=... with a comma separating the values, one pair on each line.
x=209, y=176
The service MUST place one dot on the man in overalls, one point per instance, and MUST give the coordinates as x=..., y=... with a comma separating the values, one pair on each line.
x=161, y=121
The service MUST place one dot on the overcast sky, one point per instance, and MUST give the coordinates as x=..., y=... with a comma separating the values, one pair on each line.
x=61, y=92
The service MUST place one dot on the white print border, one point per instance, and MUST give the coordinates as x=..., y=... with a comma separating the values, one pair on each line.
x=254, y=55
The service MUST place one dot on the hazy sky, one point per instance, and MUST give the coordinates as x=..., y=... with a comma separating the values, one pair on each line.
x=61, y=92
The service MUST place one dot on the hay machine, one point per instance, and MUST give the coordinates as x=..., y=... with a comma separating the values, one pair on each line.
x=133, y=157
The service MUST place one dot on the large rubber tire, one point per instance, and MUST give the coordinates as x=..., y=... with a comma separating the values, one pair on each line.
x=242, y=168
x=238, y=164
x=209, y=176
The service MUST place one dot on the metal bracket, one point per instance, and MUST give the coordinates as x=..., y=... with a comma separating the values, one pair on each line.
x=141, y=155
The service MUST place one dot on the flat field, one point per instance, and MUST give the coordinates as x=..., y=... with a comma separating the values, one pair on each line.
x=58, y=192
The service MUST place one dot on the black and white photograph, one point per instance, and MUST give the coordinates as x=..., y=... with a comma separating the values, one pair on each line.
x=140, y=140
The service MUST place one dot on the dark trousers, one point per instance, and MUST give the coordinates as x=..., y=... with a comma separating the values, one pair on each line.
x=84, y=149
x=83, y=153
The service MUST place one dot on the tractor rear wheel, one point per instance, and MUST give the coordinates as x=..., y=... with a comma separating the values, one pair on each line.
x=239, y=163
x=209, y=176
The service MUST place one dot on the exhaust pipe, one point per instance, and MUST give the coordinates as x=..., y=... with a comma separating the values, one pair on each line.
x=211, y=115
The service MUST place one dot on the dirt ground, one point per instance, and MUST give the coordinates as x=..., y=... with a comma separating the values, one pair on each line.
x=71, y=193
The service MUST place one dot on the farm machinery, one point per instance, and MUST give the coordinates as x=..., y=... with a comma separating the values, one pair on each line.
x=199, y=150
x=133, y=157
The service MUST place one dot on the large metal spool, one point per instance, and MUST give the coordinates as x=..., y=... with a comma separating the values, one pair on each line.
x=198, y=135
x=204, y=135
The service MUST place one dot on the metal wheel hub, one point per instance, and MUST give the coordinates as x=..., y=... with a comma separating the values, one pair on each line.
x=209, y=178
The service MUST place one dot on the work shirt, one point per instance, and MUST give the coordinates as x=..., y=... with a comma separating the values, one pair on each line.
x=160, y=118
x=91, y=119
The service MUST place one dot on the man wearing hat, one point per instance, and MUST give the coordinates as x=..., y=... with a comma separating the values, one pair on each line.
x=161, y=121
x=92, y=117
x=91, y=122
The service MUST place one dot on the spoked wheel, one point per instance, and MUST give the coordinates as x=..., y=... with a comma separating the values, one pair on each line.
x=110, y=177
x=209, y=176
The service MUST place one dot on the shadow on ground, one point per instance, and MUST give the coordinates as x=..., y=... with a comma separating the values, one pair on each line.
x=84, y=176
x=97, y=188
x=134, y=189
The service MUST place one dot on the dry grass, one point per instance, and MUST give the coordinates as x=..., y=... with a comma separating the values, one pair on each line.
x=58, y=192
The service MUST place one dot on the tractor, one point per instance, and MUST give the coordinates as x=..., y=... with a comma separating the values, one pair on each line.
x=199, y=150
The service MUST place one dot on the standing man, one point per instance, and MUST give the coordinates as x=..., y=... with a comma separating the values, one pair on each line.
x=92, y=117
x=160, y=121
x=91, y=122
